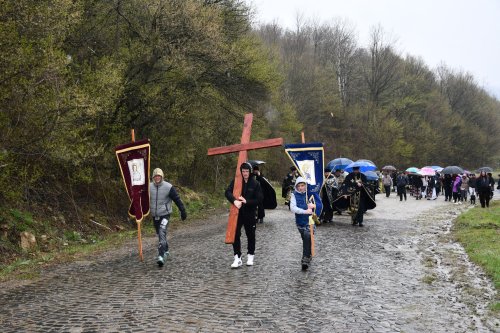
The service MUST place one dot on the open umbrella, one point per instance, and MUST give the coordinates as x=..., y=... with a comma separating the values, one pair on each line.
x=338, y=163
x=366, y=161
x=452, y=169
x=485, y=169
x=363, y=166
x=256, y=162
x=427, y=171
x=413, y=170
x=389, y=168
x=371, y=175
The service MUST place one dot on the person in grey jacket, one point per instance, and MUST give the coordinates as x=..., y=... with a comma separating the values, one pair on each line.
x=161, y=195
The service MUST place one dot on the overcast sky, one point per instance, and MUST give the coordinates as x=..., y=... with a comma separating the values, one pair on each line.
x=463, y=34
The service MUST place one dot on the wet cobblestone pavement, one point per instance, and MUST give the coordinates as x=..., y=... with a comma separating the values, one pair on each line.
x=400, y=273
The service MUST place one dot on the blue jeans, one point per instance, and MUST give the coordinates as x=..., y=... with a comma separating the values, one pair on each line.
x=305, y=233
x=161, y=225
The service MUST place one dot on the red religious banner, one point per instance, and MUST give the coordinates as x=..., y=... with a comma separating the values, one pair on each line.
x=133, y=159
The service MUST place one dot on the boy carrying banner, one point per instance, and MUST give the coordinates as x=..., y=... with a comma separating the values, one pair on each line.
x=302, y=210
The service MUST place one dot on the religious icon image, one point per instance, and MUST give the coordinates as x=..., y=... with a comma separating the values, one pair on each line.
x=136, y=169
x=307, y=169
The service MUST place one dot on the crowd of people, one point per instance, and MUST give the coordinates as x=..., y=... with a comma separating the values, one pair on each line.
x=456, y=188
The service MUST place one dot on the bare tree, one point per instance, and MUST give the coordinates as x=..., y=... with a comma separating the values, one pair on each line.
x=381, y=74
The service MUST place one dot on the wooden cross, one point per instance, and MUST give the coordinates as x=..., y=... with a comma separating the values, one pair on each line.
x=242, y=148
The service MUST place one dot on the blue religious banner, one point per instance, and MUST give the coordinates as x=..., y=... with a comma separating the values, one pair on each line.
x=308, y=159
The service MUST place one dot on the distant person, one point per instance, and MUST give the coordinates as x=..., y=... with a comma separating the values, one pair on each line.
x=287, y=187
x=464, y=189
x=337, y=185
x=326, y=195
x=419, y=185
x=448, y=187
x=161, y=195
x=387, y=183
x=401, y=183
x=457, y=182
x=492, y=184
x=483, y=189
x=261, y=213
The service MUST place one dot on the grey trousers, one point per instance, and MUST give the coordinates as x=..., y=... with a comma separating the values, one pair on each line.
x=161, y=226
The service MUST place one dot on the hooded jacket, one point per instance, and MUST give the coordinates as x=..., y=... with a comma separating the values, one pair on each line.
x=161, y=197
x=298, y=205
x=252, y=193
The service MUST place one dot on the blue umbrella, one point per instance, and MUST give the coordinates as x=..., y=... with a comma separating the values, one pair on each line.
x=363, y=166
x=371, y=175
x=366, y=161
x=338, y=163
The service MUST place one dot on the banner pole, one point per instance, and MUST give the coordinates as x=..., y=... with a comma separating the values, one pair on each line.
x=311, y=226
x=140, y=240
x=132, y=134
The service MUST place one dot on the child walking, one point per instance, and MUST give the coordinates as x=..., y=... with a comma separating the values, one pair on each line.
x=302, y=210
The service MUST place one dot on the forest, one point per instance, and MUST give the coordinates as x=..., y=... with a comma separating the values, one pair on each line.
x=77, y=75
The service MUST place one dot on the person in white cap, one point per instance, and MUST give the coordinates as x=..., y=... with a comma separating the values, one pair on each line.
x=161, y=195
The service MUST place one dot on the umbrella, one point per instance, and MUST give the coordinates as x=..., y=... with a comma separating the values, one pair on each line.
x=427, y=171
x=413, y=170
x=363, y=166
x=338, y=163
x=256, y=162
x=389, y=168
x=368, y=161
x=485, y=169
x=453, y=169
x=371, y=175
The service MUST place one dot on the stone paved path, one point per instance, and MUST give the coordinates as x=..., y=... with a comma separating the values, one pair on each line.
x=400, y=273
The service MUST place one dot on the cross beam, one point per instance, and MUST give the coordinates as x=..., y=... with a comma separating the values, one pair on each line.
x=242, y=148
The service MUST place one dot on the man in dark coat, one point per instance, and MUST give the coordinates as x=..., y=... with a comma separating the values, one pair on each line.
x=260, y=209
x=326, y=195
x=448, y=187
x=355, y=183
x=288, y=184
x=251, y=196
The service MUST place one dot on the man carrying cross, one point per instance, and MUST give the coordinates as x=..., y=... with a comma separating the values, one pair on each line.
x=239, y=194
x=251, y=196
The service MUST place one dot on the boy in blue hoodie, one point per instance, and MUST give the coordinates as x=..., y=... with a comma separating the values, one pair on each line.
x=302, y=210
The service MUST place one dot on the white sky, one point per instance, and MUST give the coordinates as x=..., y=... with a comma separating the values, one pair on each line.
x=463, y=34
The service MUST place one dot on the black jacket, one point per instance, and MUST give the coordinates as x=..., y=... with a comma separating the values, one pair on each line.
x=483, y=184
x=252, y=193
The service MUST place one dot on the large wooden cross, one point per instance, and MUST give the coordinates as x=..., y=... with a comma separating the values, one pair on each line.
x=242, y=148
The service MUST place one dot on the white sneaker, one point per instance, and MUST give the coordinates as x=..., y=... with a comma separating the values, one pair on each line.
x=237, y=262
x=250, y=260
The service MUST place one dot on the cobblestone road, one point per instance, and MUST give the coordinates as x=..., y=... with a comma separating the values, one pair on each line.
x=400, y=273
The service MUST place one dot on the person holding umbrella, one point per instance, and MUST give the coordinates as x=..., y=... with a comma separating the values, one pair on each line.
x=483, y=189
x=387, y=182
x=401, y=183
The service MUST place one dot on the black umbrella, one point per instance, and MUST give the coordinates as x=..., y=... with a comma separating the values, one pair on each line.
x=389, y=168
x=453, y=169
x=485, y=169
x=256, y=162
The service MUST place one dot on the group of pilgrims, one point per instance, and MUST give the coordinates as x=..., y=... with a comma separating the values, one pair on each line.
x=349, y=188
x=456, y=185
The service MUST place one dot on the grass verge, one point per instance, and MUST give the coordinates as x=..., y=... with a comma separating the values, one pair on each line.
x=478, y=230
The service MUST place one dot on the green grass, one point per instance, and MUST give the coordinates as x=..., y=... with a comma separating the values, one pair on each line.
x=479, y=232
